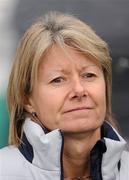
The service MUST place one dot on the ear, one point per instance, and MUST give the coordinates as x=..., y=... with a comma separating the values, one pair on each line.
x=29, y=104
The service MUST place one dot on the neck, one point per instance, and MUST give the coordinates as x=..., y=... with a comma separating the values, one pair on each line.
x=76, y=156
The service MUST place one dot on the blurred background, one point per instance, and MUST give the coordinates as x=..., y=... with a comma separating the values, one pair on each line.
x=109, y=18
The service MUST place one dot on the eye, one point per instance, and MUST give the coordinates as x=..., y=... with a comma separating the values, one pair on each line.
x=89, y=75
x=58, y=80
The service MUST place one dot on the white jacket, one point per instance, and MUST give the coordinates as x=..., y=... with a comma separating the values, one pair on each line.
x=40, y=157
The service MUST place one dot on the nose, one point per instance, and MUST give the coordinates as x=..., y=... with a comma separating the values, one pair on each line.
x=77, y=89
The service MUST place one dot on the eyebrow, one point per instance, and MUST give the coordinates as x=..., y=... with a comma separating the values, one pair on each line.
x=56, y=71
x=93, y=65
x=66, y=71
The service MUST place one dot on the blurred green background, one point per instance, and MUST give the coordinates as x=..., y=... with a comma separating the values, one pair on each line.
x=4, y=122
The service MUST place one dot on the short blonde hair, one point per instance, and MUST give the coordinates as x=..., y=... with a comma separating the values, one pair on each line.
x=62, y=29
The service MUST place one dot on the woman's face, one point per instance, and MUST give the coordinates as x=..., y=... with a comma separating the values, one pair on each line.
x=69, y=93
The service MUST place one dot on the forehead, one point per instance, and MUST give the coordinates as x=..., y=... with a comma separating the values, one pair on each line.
x=58, y=58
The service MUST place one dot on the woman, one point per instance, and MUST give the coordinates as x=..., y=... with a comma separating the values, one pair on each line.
x=59, y=97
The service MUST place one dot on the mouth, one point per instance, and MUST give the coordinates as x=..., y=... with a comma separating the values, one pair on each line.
x=79, y=109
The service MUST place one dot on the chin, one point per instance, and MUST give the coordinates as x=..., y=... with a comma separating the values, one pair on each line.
x=77, y=130
x=82, y=125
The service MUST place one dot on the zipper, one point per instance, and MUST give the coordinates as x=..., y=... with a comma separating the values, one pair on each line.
x=61, y=156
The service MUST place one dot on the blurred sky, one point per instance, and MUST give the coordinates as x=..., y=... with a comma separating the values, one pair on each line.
x=8, y=37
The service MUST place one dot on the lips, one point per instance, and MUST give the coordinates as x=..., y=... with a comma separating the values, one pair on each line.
x=78, y=109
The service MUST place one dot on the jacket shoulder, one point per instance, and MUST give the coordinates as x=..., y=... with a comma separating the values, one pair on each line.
x=125, y=165
x=9, y=154
x=12, y=164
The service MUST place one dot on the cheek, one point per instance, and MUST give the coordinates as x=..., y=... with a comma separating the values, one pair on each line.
x=48, y=106
x=101, y=99
x=98, y=95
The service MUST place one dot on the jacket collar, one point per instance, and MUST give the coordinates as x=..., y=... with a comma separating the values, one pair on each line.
x=42, y=150
x=111, y=160
x=45, y=150
x=106, y=154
